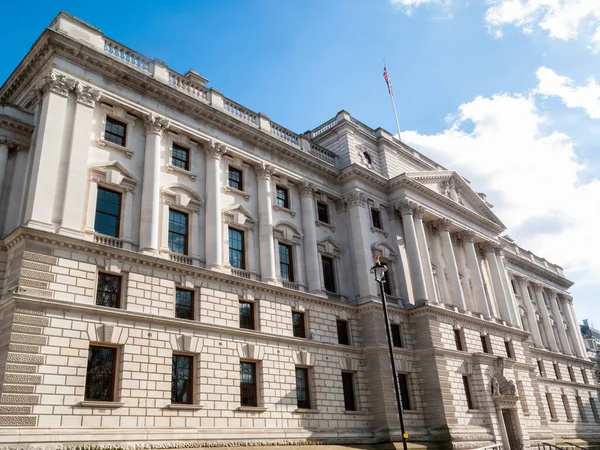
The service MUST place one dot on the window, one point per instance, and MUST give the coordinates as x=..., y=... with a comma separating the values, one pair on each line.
x=594, y=409
x=100, y=375
x=486, y=344
x=582, y=413
x=323, y=212
x=557, y=371
x=328, y=274
x=458, y=339
x=180, y=157
x=551, y=408
x=508, y=345
x=248, y=393
x=182, y=385
x=342, y=332
x=585, y=376
x=298, y=324
x=115, y=131
x=404, y=391
x=184, y=304
x=302, y=388
x=348, y=385
x=387, y=287
x=376, y=218
x=247, y=315
x=366, y=159
x=396, y=335
x=567, y=407
x=109, y=290
x=286, y=266
x=236, y=249
x=108, y=212
x=540, y=364
x=468, y=391
x=514, y=287
x=236, y=179
x=571, y=373
x=178, y=232
x=282, y=197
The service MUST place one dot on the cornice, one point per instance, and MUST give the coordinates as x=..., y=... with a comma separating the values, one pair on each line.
x=524, y=263
x=372, y=178
x=14, y=124
x=550, y=355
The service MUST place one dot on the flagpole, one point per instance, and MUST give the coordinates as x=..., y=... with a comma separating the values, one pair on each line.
x=396, y=117
x=391, y=92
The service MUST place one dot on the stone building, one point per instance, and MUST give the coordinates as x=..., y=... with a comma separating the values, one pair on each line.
x=176, y=269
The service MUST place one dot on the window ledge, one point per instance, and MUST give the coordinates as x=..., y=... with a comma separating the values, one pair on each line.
x=103, y=143
x=171, y=168
x=355, y=413
x=379, y=230
x=231, y=190
x=554, y=420
x=473, y=410
x=253, y=409
x=286, y=210
x=306, y=411
x=318, y=223
x=100, y=404
x=185, y=406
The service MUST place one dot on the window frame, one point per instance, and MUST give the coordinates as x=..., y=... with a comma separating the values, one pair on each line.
x=191, y=380
x=115, y=122
x=113, y=376
x=119, y=293
x=253, y=386
x=333, y=280
x=396, y=332
x=557, y=372
x=468, y=392
x=571, y=373
x=327, y=217
x=551, y=406
x=459, y=340
x=405, y=393
x=509, y=348
x=282, y=202
x=289, y=265
x=119, y=213
x=251, y=317
x=348, y=380
x=186, y=236
x=376, y=218
x=541, y=368
x=346, y=340
x=187, y=164
x=192, y=303
x=307, y=402
x=239, y=171
x=486, y=344
x=242, y=251
x=298, y=327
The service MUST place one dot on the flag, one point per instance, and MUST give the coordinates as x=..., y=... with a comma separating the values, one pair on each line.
x=387, y=80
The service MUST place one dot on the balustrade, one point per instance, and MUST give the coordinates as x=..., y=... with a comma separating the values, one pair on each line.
x=322, y=153
x=187, y=86
x=284, y=134
x=181, y=259
x=239, y=111
x=128, y=56
x=240, y=273
x=325, y=127
x=290, y=285
x=108, y=240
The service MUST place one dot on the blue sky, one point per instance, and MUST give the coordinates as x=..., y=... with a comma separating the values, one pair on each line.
x=499, y=90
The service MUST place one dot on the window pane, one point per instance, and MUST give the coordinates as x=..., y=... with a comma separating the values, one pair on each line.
x=285, y=262
x=182, y=379
x=328, y=274
x=236, y=249
x=323, y=212
x=184, y=304
x=180, y=157
x=115, y=131
x=108, y=292
x=302, y=388
x=248, y=384
x=348, y=384
x=178, y=232
x=387, y=287
x=235, y=178
x=396, y=336
x=404, y=391
x=376, y=218
x=99, y=381
x=298, y=324
x=247, y=315
x=458, y=340
x=342, y=330
x=282, y=197
x=108, y=211
x=467, y=392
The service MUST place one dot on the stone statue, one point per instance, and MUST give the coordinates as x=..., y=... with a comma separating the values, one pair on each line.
x=512, y=389
x=495, y=386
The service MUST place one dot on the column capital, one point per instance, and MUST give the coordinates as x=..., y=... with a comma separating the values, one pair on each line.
x=155, y=124
x=86, y=95
x=537, y=286
x=467, y=236
x=355, y=198
x=57, y=83
x=442, y=224
x=13, y=145
x=406, y=207
x=419, y=211
x=264, y=171
x=215, y=149
x=491, y=247
x=306, y=189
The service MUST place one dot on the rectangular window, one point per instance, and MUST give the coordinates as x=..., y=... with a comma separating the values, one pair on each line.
x=108, y=212
x=557, y=371
x=540, y=364
x=387, y=287
x=342, y=332
x=323, y=212
x=236, y=179
x=376, y=218
x=178, y=232
x=248, y=391
x=247, y=315
x=302, y=388
x=184, y=304
x=468, y=392
x=282, y=197
x=585, y=376
x=594, y=409
x=571, y=373
x=298, y=324
x=108, y=292
x=550, y=403
x=328, y=274
x=514, y=286
x=100, y=374
x=582, y=413
x=182, y=385
x=115, y=131
x=485, y=343
x=396, y=335
x=237, y=257
x=567, y=407
x=458, y=340
x=404, y=391
x=508, y=345
x=349, y=396
x=286, y=266
x=180, y=157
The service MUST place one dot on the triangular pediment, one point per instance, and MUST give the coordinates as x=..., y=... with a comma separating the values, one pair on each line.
x=238, y=214
x=328, y=246
x=113, y=172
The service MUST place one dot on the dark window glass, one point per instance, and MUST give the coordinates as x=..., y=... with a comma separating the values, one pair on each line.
x=342, y=332
x=567, y=407
x=108, y=212
x=458, y=340
x=349, y=397
x=298, y=324
x=180, y=157
x=178, y=232
x=235, y=179
x=184, y=304
x=282, y=197
x=115, y=131
x=236, y=249
x=247, y=315
x=328, y=274
x=248, y=392
x=404, y=391
x=594, y=409
x=571, y=373
x=582, y=413
x=109, y=290
x=584, y=375
x=557, y=371
x=387, y=287
x=509, y=349
x=467, y=391
x=550, y=405
x=485, y=344
x=541, y=368
x=376, y=218
x=302, y=388
x=323, y=212
x=286, y=266
x=100, y=375
x=182, y=387
x=514, y=286
x=367, y=158
x=396, y=335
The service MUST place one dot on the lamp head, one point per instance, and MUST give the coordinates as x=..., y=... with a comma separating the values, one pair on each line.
x=379, y=269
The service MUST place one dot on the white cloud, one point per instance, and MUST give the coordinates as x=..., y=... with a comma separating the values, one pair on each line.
x=408, y=5
x=532, y=177
x=586, y=97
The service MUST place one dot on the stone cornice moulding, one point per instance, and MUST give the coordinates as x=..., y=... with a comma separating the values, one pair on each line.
x=525, y=263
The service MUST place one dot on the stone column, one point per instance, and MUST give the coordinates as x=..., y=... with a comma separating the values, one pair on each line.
x=562, y=334
x=424, y=252
x=458, y=298
x=467, y=238
x=461, y=263
x=127, y=236
x=401, y=274
x=16, y=191
x=498, y=286
x=265, y=223
x=513, y=309
x=576, y=338
x=502, y=426
x=311, y=255
x=545, y=317
x=214, y=219
x=73, y=218
x=438, y=260
x=412, y=251
x=531, y=319
x=3, y=160
x=150, y=211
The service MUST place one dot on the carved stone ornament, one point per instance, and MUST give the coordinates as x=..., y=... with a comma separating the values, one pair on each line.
x=419, y=211
x=306, y=189
x=443, y=224
x=155, y=124
x=467, y=236
x=499, y=366
x=86, y=95
x=495, y=386
x=215, y=149
x=59, y=84
x=406, y=207
x=264, y=170
x=449, y=189
x=355, y=199
x=512, y=389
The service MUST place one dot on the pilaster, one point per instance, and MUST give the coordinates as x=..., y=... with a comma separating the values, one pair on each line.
x=458, y=298
x=531, y=318
x=480, y=300
x=311, y=255
x=265, y=222
x=537, y=287
x=562, y=334
x=214, y=220
x=490, y=250
x=424, y=253
x=412, y=249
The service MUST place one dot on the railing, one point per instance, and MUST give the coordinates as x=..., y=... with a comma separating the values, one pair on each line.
x=290, y=285
x=322, y=153
x=182, y=259
x=362, y=127
x=127, y=56
x=108, y=240
x=239, y=111
x=240, y=273
x=575, y=446
x=334, y=296
x=284, y=134
x=564, y=446
x=187, y=86
x=325, y=127
x=491, y=447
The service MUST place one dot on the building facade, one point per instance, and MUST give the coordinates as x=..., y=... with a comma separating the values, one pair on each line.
x=176, y=269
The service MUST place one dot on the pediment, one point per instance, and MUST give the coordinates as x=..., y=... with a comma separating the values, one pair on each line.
x=182, y=196
x=329, y=246
x=238, y=215
x=113, y=173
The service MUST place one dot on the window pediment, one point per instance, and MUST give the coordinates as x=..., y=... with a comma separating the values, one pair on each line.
x=328, y=246
x=182, y=196
x=384, y=251
x=287, y=232
x=113, y=173
x=239, y=216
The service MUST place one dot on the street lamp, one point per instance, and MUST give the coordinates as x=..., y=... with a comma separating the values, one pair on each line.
x=379, y=271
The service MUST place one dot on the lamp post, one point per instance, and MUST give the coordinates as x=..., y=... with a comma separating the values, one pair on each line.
x=379, y=271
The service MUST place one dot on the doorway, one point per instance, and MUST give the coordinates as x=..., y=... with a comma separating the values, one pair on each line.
x=509, y=423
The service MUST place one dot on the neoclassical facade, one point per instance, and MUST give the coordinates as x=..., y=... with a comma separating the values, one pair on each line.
x=177, y=269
